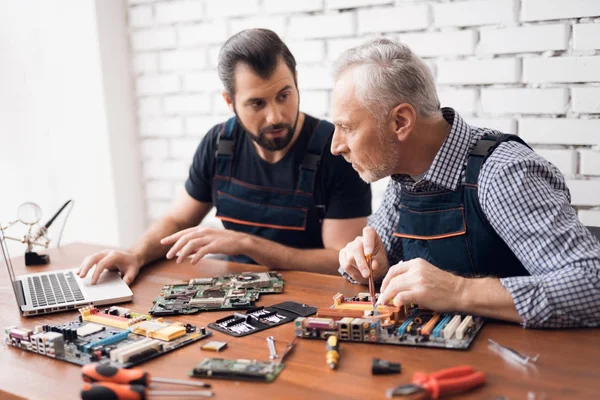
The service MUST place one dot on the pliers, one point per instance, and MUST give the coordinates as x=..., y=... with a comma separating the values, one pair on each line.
x=441, y=383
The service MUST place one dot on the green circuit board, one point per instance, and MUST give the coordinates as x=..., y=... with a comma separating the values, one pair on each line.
x=228, y=292
x=249, y=370
x=117, y=337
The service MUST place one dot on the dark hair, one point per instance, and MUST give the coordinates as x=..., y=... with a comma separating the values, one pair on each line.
x=260, y=49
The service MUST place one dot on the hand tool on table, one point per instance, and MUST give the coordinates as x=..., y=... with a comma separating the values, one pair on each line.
x=110, y=390
x=332, y=357
x=441, y=383
x=107, y=373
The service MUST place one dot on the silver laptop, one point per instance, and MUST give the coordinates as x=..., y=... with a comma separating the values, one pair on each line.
x=61, y=290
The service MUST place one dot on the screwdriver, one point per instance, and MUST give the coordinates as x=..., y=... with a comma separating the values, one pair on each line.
x=369, y=258
x=109, y=390
x=333, y=351
x=107, y=373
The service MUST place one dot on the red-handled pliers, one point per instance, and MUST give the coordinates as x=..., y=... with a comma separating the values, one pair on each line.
x=441, y=383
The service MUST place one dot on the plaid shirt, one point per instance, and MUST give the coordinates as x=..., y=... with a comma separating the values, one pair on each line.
x=527, y=202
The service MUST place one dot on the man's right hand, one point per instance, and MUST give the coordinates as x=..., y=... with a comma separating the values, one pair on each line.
x=127, y=263
x=353, y=261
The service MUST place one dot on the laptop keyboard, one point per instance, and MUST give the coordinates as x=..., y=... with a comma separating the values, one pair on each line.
x=52, y=289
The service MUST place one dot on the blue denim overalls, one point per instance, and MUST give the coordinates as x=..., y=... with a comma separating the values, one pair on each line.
x=448, y=228
x=276, y=214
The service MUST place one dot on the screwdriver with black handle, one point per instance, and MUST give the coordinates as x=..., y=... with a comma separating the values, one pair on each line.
x=115, y=391
x=107, y=373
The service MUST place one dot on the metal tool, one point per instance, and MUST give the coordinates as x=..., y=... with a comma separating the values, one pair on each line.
x=374, y=307
x=441, y=383
x=272, y=349
x=510, y=354
x=371, y=279
x=110, y=390
x=332, y=357
x=106, y=373
x=287, y=350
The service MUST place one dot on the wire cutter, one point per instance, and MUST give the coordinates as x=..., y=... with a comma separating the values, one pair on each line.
x=441, y=383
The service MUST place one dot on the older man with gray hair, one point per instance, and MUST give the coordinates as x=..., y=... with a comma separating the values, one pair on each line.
x=473, y=220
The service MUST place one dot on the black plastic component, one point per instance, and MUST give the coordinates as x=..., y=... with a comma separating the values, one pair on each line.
x=32, y=258
x=260, y=318
x=384, y=367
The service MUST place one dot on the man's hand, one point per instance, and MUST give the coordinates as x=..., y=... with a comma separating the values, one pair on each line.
x=352, y=257
x=203, y=240
x=417, y=281
x=127, y=263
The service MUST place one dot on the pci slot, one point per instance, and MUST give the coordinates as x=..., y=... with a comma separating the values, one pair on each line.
x=467, y=323
x=438, y=329
x=402, y=329
x=449, y=330
x=153, y=344
x=106, y=341
x=426, y=330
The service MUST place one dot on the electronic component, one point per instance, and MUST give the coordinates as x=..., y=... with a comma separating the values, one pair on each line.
x=410, y=326
x=117, y=317
x=228, y=292
x=261, y=318
x=251, y=370
x=384, y=367
x=82, y=342
x=214, y=346
x=89, y=329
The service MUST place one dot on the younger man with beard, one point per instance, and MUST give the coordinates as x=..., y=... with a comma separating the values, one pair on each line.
x=286, y=202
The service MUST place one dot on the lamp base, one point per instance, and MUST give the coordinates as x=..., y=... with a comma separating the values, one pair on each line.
x=33, y=258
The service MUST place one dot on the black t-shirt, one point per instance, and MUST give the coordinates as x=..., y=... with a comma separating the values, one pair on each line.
x=337, y=185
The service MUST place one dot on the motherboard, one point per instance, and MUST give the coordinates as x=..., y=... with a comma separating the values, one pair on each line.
x=117, y=336
x=228, y=292
x=351, y=319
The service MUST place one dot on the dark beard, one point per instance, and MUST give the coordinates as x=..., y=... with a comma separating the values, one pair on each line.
x=274, y=144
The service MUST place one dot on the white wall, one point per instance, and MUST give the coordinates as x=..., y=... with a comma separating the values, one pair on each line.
x=66, y=118
x=530, y=67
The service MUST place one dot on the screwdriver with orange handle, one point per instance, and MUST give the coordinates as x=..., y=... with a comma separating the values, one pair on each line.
x=115, y=391
x=107, y=373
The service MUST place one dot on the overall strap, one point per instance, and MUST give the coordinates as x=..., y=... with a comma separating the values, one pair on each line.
x=312, y=157
x=482, y=150
x=226, y=147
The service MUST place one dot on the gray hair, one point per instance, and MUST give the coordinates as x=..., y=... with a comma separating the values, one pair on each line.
x=388, y=74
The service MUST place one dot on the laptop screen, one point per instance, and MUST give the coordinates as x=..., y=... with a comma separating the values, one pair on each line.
x=5, y=259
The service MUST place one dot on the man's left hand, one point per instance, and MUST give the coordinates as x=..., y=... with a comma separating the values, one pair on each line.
x=203, y=240
x=417, y=281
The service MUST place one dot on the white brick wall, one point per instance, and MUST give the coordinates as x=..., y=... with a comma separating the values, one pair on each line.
x=179, y=11
x=453, y=43
x=479, y=72
x=590, y=162
x=280, y=7
x=530, y=67
x=561, y=69
x=586, y=36
x=524, y=101
x=322, y=26
x=474, y=13
x=524, y=39
x=394, y=19
x=542, y=10
x=586, y=100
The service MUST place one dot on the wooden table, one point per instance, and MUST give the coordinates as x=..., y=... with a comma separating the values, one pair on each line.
x=568, y=367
